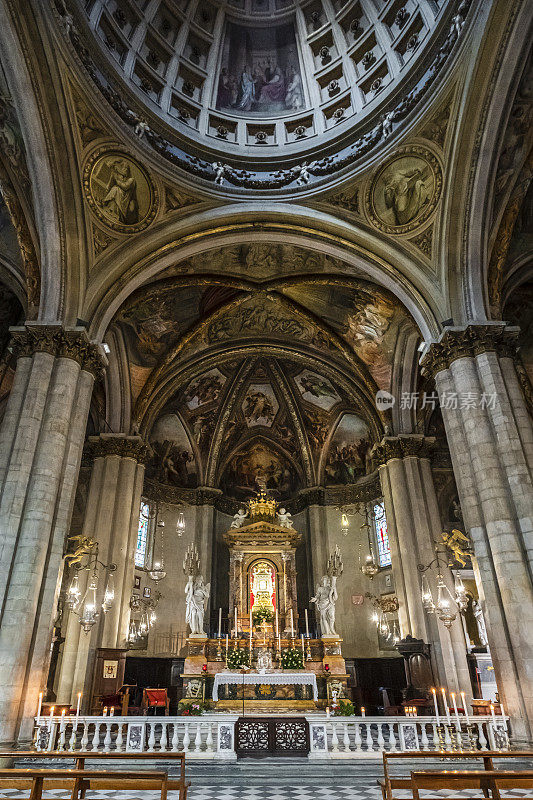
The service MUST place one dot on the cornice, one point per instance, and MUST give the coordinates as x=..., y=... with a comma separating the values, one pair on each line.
x=469, y=342
x=60, y=342
x=117, y=444
x=402, y=446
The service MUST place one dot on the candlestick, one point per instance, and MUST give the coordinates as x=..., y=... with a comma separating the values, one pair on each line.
x=219, y=622
x=292, y=624
x=276, y=621
x=303, y=648
x=39, y=707
x=78, y=707
x=327, y=712
x=279, y=644
x=504, y=721
x=456, y=712
x=306, y=624
x=235, y=621
x=227, y=645
x=434, y=692
x=363, y=711
x=446, y=709
x=51, y=717
x=463, y=700
x=112, y=711
x=104, y=712
x=493, y=715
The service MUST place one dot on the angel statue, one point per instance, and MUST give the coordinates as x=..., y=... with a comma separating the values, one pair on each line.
x=84, y=546
x=284, y=518
x=196, y=597
x=454, y=542
x=325, y=598
x=238, y=518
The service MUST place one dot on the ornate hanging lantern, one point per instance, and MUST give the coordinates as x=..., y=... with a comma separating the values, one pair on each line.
x=180, y=524
x=74, y=592
x=157, y=573
x=345, y=523
x=461, y=597
x=109, y=593
x=427, y=597
x=89, y=612
x=445, y=601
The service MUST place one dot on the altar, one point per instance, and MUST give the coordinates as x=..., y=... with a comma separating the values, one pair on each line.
x=269, y=678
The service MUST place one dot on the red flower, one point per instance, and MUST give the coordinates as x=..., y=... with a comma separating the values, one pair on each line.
x=204, y=668
x=326, y=667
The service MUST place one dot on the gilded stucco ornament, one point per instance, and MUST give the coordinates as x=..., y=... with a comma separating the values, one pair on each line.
x=404, y=191
x=119, y=191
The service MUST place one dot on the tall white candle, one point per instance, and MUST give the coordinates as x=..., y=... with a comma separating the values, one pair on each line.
x=219, y=622
x=463, y=701
x=276, y=621
x=250, y=623
x=52, y=716
x=78, y=708
x=458, y=721
x=306, y=624
x=292, y=624
x=279, y=642
x=235, y=621
x=504, y=721
x=227, y=645
x=434, y=693
x=493, y=715
x=446, y=709
x=363, y=711
x=303, y=650
x=39, y=707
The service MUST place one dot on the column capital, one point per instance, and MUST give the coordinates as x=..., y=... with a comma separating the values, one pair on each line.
x=402, y=446
x=468, y=342
x=60, y=342
x=117, y=444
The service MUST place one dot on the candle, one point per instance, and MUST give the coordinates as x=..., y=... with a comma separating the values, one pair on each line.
x=303, y=650
x=363, y=711
x=456, y=712
x=327, y=711
x=434, y=692
x=306, y=624
x=104, y=712
x=279, y=642
x=276, y=621
x=463, y=701
x=219, y=622
x=112, y=711
x=493, y=714
x=39, y=707
x=51, y=717
x=78, y=708
x=292, y=625
x=446, y=709
x=227, y=645
x=504, y=721
x=235, y=621
x=250, y=623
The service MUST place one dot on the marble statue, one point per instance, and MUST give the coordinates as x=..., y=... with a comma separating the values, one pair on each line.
x=480, y=622
x=196, y=597
x=238, y=518
x=284, y=518
x=325, y=598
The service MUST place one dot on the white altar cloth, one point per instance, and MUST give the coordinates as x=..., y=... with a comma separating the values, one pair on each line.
x=277, y=678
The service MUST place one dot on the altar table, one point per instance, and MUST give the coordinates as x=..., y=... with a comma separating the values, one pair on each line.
x=276, y=678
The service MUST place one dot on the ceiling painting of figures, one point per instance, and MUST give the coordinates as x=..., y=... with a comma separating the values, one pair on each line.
x=259, y=71
x=260, y=405
x=259, y=466
x=172, y=460
x=317, y=390
x=348, y=449
x=205, y=389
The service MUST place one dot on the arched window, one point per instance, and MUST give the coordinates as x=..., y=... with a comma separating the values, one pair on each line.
x=382, y=534
x=142, y=535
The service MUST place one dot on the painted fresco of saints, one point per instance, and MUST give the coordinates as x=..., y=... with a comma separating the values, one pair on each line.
x=121, y=202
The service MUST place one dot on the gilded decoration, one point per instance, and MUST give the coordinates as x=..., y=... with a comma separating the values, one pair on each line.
x=404, y=191
x=119, y=191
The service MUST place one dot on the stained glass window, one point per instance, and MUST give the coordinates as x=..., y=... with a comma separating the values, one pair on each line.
x=142, y=535
x=382, y=534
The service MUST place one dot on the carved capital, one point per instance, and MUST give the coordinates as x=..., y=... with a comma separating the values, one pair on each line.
x=116, y=444
x=60, y=342
x=402, y=446
x=469, y=342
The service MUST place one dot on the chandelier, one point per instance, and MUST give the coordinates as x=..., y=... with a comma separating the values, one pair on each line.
x=158, y=572
x=383, y=606
x=368, y=567
x=86, y=607
x=447, y=605
x=140, y=628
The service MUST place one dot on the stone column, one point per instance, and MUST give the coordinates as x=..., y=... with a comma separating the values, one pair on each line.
x=490, y=437
x=318, y=538
x=111, y=519
x=414, y=528
x=41, y=440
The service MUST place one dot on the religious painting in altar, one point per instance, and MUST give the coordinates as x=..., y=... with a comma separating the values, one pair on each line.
x=317, y=390
x=259, y=71
x=262, y=582
x=172, y=459
x=259, y=466
x=260, y=405
x=348, y=449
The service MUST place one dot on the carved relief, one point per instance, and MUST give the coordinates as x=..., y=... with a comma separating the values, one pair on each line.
x=175, y=200
x=89, y=126
x=101, y=241
x=349, y=201
x=424, y=241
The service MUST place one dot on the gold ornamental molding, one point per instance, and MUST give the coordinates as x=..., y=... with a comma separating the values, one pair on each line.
x=470, y=342
x=59, y=342
x=119, y=191
x=404, y=191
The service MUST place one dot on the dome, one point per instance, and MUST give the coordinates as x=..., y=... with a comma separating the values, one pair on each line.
x=264, y=79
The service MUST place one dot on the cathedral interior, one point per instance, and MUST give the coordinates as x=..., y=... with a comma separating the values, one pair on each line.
x=266, y=319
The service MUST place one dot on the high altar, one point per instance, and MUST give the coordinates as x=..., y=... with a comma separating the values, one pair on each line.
x=264, y=621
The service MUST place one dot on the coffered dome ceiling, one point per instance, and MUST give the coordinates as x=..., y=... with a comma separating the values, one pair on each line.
x=264, y=79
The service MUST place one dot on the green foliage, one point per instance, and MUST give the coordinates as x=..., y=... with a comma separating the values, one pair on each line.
x=292, y=659
x=238, y=657
x=192, y=708
x=262, y=614
x=344, y=709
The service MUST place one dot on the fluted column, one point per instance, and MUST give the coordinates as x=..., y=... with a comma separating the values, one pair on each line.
x=111, y=519
x=414, y=528
x=490, y=438
x=41, y=440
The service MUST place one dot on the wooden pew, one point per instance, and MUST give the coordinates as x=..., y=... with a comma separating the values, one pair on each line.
x=79, y=780
x=80, y=759
x=485, y=780
x=388, y=784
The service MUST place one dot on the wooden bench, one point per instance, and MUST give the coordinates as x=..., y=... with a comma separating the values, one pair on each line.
x=80, y=758
x=485, y=780
x=79, y=780
x=388, y=783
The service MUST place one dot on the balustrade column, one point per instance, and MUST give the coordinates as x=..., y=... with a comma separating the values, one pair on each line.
x=414, y=528
x=111, y=519
x=490, y=437
x=42, y=438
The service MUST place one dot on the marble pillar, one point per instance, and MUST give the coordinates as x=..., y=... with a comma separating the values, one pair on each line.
x=41, y=440
x=490, y=438
x=414, y=528
x=111, y=519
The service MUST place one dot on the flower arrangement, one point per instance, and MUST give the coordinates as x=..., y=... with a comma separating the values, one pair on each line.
x=238, y=658
x=191, y=709
x=292, y=659
x=262, y=614
x=344, y=708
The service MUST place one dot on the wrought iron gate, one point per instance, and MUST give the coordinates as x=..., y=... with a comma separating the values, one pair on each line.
x=268, y=736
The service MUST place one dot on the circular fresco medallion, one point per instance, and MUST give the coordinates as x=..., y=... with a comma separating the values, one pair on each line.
x=404, y=191
x=119, y=191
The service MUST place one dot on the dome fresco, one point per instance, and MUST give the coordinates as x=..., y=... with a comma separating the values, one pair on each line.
x=264, y=77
